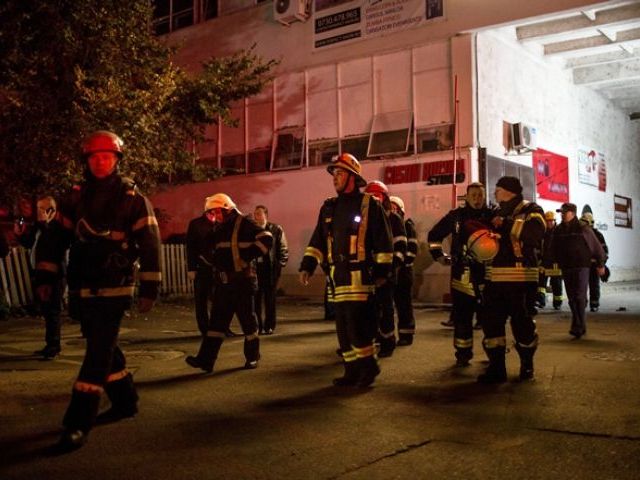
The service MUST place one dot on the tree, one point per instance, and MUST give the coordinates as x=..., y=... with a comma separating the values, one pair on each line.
x=70, y=67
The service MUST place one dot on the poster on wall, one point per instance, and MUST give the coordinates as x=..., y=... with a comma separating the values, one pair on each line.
x=622, y=211
x=336, y=22
x=552, y=175
x=592, y=169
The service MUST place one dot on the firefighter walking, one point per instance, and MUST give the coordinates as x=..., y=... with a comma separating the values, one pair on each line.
x=521, y=227
x=404, y=286
x=466, y=276
x=236, y=243
x=353, y=237
x=110, y=227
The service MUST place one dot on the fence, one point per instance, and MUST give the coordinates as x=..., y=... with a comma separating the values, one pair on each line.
x=15, y=279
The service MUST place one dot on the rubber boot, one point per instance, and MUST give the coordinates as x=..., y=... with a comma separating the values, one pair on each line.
x=251, y=352
x=387, y=346
x=350, y=377
x=463, y=356
x=207, y=355
x=526, y=362
x=368, y=370
x=124, y=400
x=405, y=339
x=78, y=420
x=496, y=371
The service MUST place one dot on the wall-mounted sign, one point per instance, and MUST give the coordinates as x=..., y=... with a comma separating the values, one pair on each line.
x=552, y=175
x=339, y=21
x=622, y=211
x=432, y=173
x=592, y=169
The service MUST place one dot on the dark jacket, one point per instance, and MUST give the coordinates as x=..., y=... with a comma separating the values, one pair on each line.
x=399, y=239
x=412, y=243
x=353, y=238
x=575, y=244
x=200, y=244
x=110, y=227
x=4, y=245
x=273, y=262
x=52, y=253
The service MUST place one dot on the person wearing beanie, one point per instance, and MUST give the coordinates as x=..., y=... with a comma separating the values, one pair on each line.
x=513, y=272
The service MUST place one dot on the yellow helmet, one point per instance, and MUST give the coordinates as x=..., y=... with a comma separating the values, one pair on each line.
x=219, y=200
x=482, y=245
x=549, y=215
x=348, y=162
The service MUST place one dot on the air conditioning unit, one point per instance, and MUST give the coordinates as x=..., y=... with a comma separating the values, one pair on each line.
x=524, y=137
x=288, y=11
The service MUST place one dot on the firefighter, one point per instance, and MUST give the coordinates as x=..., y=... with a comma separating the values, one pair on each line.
x=110, y=227
x=385, y=293
x=237, y=242
x=594, y=277
x=549, y=268
x=29, y=237
x=404, y=285
x=467, y=276
x=521, y=226
x=353, y=237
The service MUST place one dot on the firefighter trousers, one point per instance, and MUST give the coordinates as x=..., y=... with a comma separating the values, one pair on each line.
x=464, y=307
x=202, y=293
x=404, y=307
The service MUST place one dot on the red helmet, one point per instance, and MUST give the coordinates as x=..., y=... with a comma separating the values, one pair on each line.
x=102, y=141
x=377, y=187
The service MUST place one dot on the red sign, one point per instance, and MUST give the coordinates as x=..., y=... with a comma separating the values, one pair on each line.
x=434, y=173
x=552, y=175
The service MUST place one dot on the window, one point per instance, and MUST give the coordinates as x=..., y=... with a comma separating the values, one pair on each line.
x=209, y=9
x=390, y=133
x=435, y=138
x=356, y=146
x=170, y=15
x=321, y=152
x=232, y=164
x=288, y=148
x=259, y=161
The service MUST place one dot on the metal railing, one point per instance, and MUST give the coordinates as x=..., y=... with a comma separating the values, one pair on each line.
x=15, y=276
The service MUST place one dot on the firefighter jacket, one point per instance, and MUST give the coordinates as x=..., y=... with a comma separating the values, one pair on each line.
x=455, y=223
x=110, y=227
x=199, y=241
x=575, y=244
x=549, y=266
x=399, y=240
x=412, y=243
x=353, y=238
x=278, y=256
x=236, y=244
x=520, y=245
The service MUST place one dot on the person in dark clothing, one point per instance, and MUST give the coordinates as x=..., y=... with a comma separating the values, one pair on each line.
x=4, y=245
x=403, y=291
x=549, y=270
x=237, y=241
x=467, y=277
x=28, y=237
x=353, y=237
x=574, y=247
x=110, y=228
x=199, y=264
x=594, y=277
x=384, y=294
x=521, y=226
x=269, y=269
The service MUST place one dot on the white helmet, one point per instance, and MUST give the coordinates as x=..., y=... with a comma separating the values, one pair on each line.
x=482, y=245
x=219, y=200
x=398, y=201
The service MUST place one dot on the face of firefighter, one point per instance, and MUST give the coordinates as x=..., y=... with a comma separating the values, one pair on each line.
x=46, y=210
x=260, y=216
x=102, y=164
x=343, y=182
x=396, y=209
x=476, y=198
x=503, y=195
x=220, y=214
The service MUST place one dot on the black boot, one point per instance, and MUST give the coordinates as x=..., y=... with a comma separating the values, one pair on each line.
x=496, y=371
x=387, y=346
x=526, y=361
x=124, y=400
x=251, y=353
x=78, y=420
x=368, y=370
x=405, y=339
x=463, y=356
x=350, y=377
x=207, y=354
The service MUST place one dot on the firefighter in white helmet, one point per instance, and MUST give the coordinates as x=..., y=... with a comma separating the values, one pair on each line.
x=352, y=237
x=237, y=241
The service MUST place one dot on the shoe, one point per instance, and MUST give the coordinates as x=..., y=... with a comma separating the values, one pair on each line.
x=576, y=335
x=195, y=362
x=526, y=374
x=462, y=362
x=493, y=377
x=448, y=323
x=230, y=333
x=385, y=353
x=71, y=440
x=268, y=331
x=49, y=353
x=251, y=365
x=404, y=341
x=594, y=309
x=115, y=414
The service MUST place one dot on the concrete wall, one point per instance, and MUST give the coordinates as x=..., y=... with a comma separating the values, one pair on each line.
x=515, y=86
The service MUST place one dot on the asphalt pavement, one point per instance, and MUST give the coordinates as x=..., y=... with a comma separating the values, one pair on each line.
x=423, y=418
